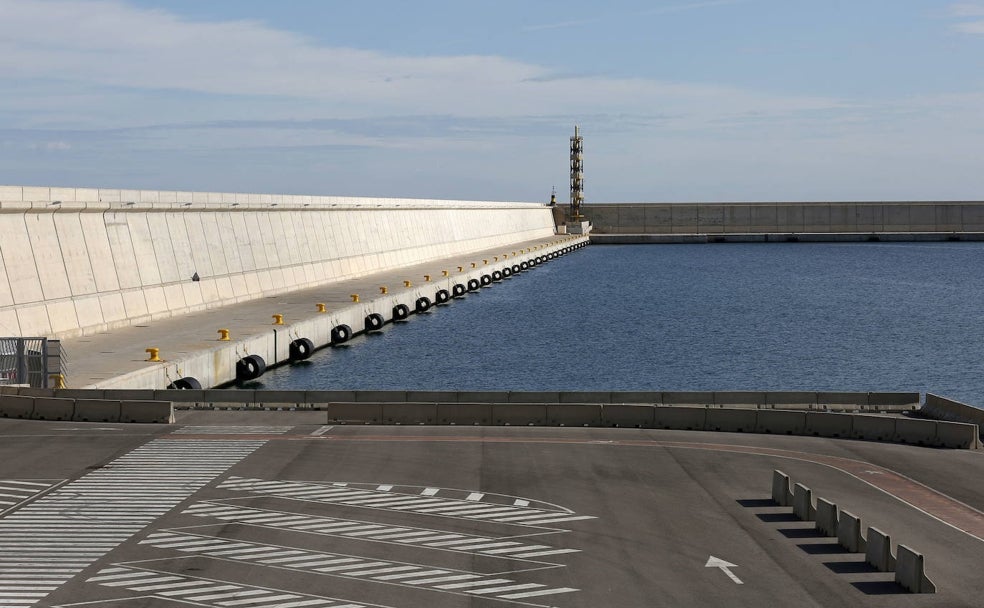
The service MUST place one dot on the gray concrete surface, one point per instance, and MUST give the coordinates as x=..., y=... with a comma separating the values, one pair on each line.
x=581, y=517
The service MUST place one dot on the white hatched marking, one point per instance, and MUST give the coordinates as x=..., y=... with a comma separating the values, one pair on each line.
x=15, y=491
x=475, y=496
x=334, y=564
x=519, y=596
x=57, y=535
x=426, y=502
x=232, y=430
x=351, y=529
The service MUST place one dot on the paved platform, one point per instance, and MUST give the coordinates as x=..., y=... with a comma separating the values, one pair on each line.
x=242, y=509
x=98, y=357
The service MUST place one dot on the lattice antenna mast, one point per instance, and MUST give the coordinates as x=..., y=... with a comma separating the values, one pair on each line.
x=577, y=175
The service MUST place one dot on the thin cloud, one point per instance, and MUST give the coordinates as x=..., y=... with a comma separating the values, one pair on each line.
x=679, y=8
x=966, y=9
x=972, y=27
x=117, y=46
x=558, y=25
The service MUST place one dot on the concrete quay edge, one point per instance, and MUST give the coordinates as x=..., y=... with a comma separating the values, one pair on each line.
x=213, y=362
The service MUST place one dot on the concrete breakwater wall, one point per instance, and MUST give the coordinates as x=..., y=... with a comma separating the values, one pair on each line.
x=79, y=261
x=787, y=218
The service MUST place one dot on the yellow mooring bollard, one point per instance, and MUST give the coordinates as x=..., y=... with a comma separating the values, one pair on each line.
x=223, y=335
x=355, y=297
x=445, y=273
x=461, y=268
x=383, y=290
x=407, y=283
x=278, y=319
x=427, y=278
x=321, y=307
x=57, y=380
x=154, y=354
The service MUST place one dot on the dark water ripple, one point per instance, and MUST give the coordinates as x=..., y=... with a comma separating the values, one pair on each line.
x=879, y=316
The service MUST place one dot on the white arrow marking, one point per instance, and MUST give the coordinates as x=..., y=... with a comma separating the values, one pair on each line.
x=715, y=562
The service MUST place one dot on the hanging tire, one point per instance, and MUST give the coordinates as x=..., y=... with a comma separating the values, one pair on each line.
x=524, y=265
x=458, y=290
x=486, y=280
x=401, y=312
x=422, y=304
x=340, y=333
x=442, y=296
x=250, y=368
x=374, y=322
x=496, y=275
x=187, y=383
x=516, y=268
x=473, y=284
x=506, y=272
x=300, y=349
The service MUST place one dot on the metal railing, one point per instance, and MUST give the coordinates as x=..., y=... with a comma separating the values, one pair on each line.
x=30, y=361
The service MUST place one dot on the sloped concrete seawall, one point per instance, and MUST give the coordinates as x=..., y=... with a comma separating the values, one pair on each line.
x=816, y=218
x=78, y=261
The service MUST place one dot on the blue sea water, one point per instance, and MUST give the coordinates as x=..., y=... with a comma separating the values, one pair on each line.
x=796, y=316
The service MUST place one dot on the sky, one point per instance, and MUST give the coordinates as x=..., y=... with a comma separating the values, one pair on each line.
x=678, y=100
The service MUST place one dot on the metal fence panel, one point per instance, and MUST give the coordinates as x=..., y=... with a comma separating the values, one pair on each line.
x=24, y=361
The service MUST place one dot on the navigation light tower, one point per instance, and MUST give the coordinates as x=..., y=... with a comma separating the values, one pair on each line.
x=577, y=175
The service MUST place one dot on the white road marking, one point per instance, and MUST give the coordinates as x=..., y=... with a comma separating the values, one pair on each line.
x=426, y=501
x=716, y=562
x=66, y=530
x=435, y=539
x=232, y=430
x=322, y=430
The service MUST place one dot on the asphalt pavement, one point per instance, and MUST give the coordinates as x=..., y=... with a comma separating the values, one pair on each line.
x=233, y=509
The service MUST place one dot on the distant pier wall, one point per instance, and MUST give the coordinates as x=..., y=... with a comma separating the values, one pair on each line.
x=821, y=218
x=77, y=261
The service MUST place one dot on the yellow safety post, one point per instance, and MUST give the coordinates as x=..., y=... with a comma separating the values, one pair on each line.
x=445, y=273
x=461, y=268
x=57, y=380
x=474, y=265
x=427, y=278
x=321, y=307
x=485, y=261
x=407, y=283
x=355, y=297
x=383, y=289
x=496, y=258
x=278, y=319
x=223, y=335
x=154, y=354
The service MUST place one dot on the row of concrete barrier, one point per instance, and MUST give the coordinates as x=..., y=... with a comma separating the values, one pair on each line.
x=941, y=408
x=870, y=402
x=909, y=566
x=104, y=406
x=85, y=410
